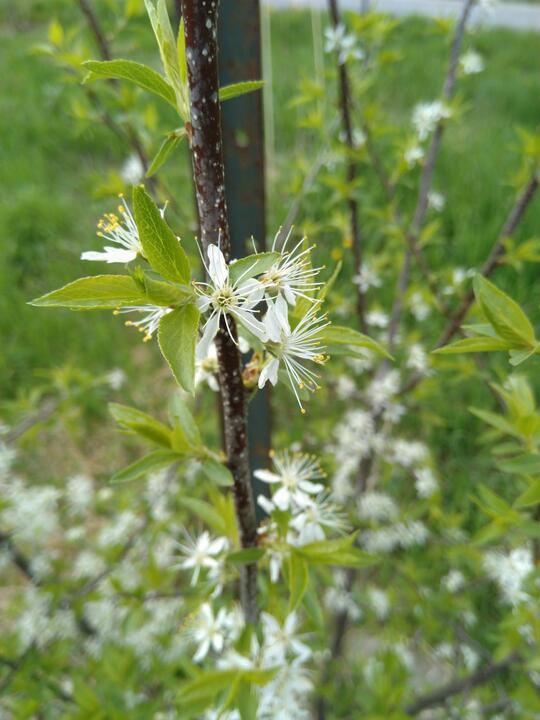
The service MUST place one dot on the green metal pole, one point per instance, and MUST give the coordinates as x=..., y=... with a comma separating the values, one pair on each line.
x=239, y=39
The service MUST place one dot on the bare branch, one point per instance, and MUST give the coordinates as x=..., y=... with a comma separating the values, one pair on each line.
x=455, y=687
x=200, y=24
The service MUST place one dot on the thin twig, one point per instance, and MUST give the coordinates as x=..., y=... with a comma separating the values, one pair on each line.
x=200, y=24
x=455, y=687
x=345, y=105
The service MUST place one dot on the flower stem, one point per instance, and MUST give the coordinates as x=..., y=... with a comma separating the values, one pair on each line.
x=200, y=27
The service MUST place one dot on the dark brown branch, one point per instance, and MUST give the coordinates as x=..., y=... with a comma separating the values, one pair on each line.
x=455, y=687
x=99, y=35
x=200, y=24
x=345, y=105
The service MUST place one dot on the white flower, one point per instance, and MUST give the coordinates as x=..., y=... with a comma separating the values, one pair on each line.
x=377, y=318
x=413, y=155
x=116, y=378
x=200, y=553
x=509, y=571
x=436, y=200
x=294, y=474
x=132, y=171
x=418, y=359
x=381, y=389
x=407, y=452
x=209, y=631
x=122, y=232
x=291, y=347
x=345, y=387
x=31, y=512
x=223, y=297
x=427, y=115
x=88, y=565
x=418, y=306
x=206, y=367
x=454, y=581
x=374, y=505
x=119, y=530
x=366, y=278
x=426, y=483
x=379, y=602
x=286, y=695
x=387, y=539
x=315, y=516
x=471, y=62
x=337, y=40
x=149, y=323
x=280, y=641
x=291, y=275
x=79, y=493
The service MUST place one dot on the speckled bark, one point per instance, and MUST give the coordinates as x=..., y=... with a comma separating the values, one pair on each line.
x=200, y=23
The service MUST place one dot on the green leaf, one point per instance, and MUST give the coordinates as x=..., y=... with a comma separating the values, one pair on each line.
x=474, y=344
x=167, y=146
x=337, y=335
x=100, y=292
x=177, y=338
x=228, y=92
x=163, y=293
x=528, y=464
x=530, y=497
x=519, y=356
x=181, y=417
x=181, y=51
x=298, y=580
x=506, y=316
x=161, y=25
x=252, y=265
x=161, y=247
x=247, y=556
x=149, y=463
x=217, y=472
x=140, y=423
x=335, y=552
x=206, y=512
x=496, y=421
x=141, y=75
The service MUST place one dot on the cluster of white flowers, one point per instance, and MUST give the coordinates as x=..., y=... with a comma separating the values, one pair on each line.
x=313, y=512
x=287, y=345
x=509, y=571
x=367, y=277
x=436, y=200
x=427, y=115
x=337, y=40
x=413, y=155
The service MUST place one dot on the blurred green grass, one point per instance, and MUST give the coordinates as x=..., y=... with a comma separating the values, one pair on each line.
x=49, y=164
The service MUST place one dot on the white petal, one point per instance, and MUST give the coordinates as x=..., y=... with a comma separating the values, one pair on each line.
x=310, y=487
x=266, y=476
x=272, y=325
x=217, y=267
x=210, y=330
x=282, y=498
x=269, y=372
x=202, y=651
x=111, y=255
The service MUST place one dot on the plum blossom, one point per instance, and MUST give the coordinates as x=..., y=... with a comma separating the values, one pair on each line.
x=338, y=40
x=123, y=232
x=471, y=63
x=292, y=346
x=147, y=324
x=294, y=473
x=427, y=115
x=223, y=296
x=209, y=631
x=291, y=276
x=200, y=553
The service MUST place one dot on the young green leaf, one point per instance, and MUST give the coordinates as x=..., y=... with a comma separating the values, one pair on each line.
x=149, y=463
x=252, y=265
x=228, y=92
x=530, y=497
x=337, y=335
x=474, y=344
x=528, y=464
x=335, y=552
x=182, y=417
x=140, y=423
x=161, y=247
x=246, y=556
x=506, y=316
x=177, y=338
x=100, y=292
x=216, y=472
x=298, y=580
x=167, y=146
x=141, y=75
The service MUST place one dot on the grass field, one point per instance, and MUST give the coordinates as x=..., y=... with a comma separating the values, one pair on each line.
x=51, y=167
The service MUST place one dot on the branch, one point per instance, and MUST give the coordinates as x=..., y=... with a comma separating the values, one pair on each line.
x=345, y=104
x=200, y=25
x=99, y=35
x=455, y=687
